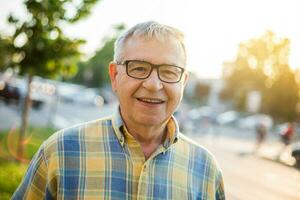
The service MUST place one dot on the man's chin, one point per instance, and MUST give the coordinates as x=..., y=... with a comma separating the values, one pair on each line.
x=150, y=120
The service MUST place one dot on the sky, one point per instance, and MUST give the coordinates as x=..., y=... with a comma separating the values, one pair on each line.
x=213, y=28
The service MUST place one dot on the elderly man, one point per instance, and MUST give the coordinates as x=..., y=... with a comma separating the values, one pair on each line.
x=138, y=152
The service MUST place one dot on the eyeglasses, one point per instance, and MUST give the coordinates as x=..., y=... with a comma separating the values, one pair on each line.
x=142, y=70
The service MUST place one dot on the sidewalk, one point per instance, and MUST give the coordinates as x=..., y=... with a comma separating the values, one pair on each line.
x=270, y=150
x=244, y=144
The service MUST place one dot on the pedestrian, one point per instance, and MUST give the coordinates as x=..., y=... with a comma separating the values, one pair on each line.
x=138, y=152
x=287, y=134
x=286, y=137
x=261, y=133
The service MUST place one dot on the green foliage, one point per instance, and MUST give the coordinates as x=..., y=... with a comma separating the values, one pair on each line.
x=281, y=97
x=94, y=72
x=201, y=93
x=262, y=65
x=39, y=45
x=5, y=52
x=11, y=173
x=34, y=138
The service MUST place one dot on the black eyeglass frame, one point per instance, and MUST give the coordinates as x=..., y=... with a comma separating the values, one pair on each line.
x=152, y=66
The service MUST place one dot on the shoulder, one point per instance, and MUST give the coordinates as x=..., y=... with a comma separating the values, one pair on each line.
x=186, y=142
x=73, y=136
x=196, y=153
x=199, y=162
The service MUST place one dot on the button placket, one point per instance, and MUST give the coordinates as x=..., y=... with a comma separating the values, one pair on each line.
x=142, y=185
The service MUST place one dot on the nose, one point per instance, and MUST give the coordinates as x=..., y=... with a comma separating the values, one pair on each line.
x=153, y=83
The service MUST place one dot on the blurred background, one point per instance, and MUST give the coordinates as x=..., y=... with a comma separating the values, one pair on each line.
x=241, y=102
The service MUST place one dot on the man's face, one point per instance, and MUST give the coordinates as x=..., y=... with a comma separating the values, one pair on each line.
x=148, y=102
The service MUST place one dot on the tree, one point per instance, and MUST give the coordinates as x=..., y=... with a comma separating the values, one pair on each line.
x=262, y=65
x=201, y=92
x=39, y=46
x=5, y=52
x=94, y=72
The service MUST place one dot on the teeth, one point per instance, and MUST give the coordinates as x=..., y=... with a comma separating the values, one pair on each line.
x=151, y=100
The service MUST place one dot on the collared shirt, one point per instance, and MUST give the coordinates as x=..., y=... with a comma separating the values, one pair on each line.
x=101, y=160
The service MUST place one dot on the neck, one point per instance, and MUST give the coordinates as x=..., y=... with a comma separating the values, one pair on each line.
x=149, y=137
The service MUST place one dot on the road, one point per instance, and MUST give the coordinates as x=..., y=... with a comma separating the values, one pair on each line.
x=251, y=177
x=59, y=115
x=69, y=114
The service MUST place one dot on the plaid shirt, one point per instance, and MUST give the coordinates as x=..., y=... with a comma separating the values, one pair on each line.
x=101, y=160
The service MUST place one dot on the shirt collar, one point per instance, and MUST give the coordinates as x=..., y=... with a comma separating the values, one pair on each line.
x=172, y=134
x=117, y=123
x=172, y=126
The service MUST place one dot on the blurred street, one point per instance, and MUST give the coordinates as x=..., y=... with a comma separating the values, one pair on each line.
x=60, y=115
x=247, y=176
x=236, y=75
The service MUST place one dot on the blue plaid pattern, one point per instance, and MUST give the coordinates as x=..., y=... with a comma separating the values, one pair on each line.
x=101, y=160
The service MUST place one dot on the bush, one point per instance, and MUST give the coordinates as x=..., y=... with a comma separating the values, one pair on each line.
x=34, y=138
x=11, y=172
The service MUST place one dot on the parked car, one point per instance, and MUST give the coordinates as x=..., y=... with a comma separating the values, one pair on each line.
x=228, y=118
x=78, y=94
x=89, y=97
x=9, y=93
x=12, y=93
x=197, y=119
x=251, y=122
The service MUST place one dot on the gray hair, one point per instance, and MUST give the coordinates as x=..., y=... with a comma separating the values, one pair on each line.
x=148, y=30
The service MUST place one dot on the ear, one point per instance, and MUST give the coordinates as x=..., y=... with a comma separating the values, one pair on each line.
x=185, y=78
x=113, y=75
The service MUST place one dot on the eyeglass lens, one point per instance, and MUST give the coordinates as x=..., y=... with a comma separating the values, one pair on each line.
x=141, y=69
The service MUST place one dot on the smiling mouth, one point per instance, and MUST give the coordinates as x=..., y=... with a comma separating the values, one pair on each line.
x=151, y=101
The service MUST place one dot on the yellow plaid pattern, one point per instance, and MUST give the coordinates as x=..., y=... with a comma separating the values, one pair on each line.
x=101, y=160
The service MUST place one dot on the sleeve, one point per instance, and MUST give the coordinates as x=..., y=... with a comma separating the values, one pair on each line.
x=220, y=193
x=34, y=184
